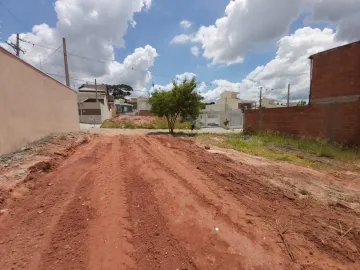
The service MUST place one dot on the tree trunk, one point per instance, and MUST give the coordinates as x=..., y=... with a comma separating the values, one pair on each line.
x=169, y=124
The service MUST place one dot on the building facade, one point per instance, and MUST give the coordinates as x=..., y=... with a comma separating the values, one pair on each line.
x=95, y=104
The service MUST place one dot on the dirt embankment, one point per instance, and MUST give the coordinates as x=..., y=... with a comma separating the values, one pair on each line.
x=150, y=202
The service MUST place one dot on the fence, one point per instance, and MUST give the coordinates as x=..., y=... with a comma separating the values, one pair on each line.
x=336, y=121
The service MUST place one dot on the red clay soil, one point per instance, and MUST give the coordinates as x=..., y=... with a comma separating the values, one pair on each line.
x=161, y=202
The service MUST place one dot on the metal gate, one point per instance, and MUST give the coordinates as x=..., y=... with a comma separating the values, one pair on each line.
x=236, y=119
x=210, y=120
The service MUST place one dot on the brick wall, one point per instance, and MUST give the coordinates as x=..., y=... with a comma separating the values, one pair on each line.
x=336, y=72
x=337, y=122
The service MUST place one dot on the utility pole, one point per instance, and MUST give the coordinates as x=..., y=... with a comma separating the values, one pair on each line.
x=40, y=62
x=66, y=64
x=16, y=46
x=96, y=91
x=260, y=111
x=288, y=96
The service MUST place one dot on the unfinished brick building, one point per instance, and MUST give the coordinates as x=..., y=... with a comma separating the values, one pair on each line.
x=334, y=110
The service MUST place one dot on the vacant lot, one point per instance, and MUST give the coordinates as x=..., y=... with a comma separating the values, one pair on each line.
x=303, y=151
x=163, y=202
x=142, y=122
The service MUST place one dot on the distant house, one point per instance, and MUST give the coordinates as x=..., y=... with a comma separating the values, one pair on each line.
x=132, y=99
x=143, y=106
x=226, y=109
x=270, y=103
x=123, y=107
x=95, y=105
x=246, y=104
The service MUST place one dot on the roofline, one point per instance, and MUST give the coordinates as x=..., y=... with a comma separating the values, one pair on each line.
x=339, y=47
x=34, y=68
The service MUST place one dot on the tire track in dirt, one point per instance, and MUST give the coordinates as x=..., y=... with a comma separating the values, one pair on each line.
x=160, y=202
x=193, y=217
x=74, y=218
x=315, y=243
x=110, y=239
x=27, y=232
x=155, y=246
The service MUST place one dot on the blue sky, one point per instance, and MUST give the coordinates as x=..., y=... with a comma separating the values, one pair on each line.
x=158, y=26
x=164, y=16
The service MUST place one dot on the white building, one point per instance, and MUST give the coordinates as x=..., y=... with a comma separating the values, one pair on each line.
x=143, y=106
x=95, y=105
x=227, y=109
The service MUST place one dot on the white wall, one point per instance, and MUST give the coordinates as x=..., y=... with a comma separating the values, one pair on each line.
x=143, y=105
x=32, y=104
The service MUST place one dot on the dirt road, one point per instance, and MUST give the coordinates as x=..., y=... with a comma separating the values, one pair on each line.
x=161, y=202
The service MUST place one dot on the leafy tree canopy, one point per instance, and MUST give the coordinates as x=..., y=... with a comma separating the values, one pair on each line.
x=301, y=103
x=181, y=101
x=119, y=90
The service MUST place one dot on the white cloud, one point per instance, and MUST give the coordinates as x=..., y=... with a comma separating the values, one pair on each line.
x=178, y=78
x=93, y=29
x=291, y=64
x=250, y=24
x=247, y=24
x=134, y=69
x=186, y=75
x=202, y=87
x=247, y=89
x=195, y=51
x=185, y=24
x=181, y=39
x=345, y=14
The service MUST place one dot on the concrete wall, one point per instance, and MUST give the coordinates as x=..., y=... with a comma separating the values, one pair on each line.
x=32, y=105
x=336, y=122
x=335, y=73
x=143, y=105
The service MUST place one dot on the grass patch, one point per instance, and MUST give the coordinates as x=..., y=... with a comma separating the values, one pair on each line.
x=303, y=151
x=159, y=123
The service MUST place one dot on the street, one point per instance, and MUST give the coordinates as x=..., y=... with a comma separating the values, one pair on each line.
x=162, y=202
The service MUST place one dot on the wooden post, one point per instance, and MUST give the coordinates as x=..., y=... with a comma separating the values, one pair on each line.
x=66, y=64
x=96, y=91
x=260, y=111
x=288, y=96
x=17, y=45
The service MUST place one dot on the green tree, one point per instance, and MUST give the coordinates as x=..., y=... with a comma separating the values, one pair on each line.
x=182, y=101
x=120, y=90
x=301, y=103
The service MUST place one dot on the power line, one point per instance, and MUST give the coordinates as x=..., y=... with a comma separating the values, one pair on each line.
x=35, y=44
x=13, y=15
x=52, y=53
x=86, y=81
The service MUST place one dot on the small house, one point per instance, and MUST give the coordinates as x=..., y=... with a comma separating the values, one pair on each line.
x=95, y=104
